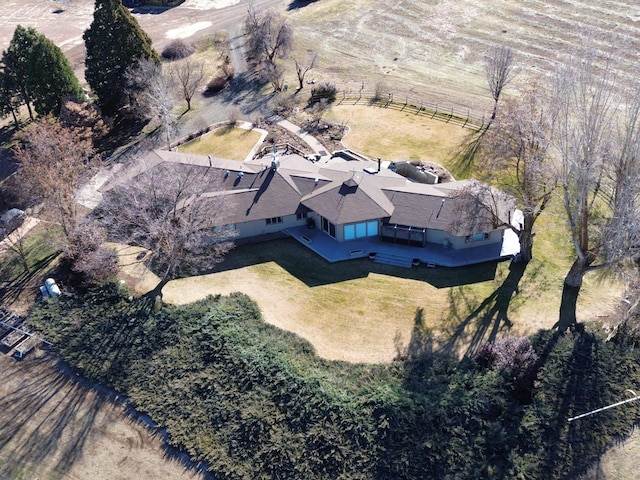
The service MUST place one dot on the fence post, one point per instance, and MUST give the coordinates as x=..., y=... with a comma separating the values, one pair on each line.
x=450, y=115
x=435, y=112
x=406, y=100
x=465, y=122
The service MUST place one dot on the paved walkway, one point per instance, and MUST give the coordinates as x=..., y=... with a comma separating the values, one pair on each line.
x=310, y=140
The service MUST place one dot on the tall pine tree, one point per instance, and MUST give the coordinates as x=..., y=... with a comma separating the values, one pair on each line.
x=51, y=77
x=114, y=42
x=16, y=63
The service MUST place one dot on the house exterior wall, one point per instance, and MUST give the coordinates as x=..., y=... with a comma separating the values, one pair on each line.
x=459, y=243
x=260, y=227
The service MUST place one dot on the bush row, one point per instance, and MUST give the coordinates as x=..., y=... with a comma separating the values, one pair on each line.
x=255, y=402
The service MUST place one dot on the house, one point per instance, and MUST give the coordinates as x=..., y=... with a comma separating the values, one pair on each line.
x=348, y=209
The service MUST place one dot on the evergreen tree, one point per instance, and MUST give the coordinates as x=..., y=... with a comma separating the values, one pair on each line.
x=9, y=101
x=16, y=63
x=51, y=77
x=114, y=42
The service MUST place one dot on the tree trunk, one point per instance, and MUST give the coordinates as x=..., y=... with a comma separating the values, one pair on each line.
x=15, y=118
x=570, y=293
x=526, y=245
x=568, y=305
x=576, y=273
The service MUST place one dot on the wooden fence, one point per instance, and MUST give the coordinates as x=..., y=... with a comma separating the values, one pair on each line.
x=405, y=103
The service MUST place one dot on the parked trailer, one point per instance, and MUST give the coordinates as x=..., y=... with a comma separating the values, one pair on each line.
x=25, y=347
x=14, y=337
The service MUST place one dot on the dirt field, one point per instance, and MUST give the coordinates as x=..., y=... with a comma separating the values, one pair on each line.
x=53, y=426
x=435, y=48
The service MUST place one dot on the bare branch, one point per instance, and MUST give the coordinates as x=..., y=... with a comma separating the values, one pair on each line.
x=498, y=70
x=173, y=210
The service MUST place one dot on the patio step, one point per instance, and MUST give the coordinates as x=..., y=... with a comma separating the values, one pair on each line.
x=395, y=260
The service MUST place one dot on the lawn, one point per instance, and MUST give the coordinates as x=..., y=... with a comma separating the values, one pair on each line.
x=225, y=142
x=360, y=311
x=394, y=135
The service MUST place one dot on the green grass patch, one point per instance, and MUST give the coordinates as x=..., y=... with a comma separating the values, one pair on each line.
x=226, y=142
x=39, y=247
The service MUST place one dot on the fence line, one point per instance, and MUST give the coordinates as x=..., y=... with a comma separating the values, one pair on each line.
x=434, y=110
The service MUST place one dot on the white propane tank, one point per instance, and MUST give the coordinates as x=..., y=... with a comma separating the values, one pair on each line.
x=52, y=288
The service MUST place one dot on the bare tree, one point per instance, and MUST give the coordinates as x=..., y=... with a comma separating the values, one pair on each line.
x=152, y=94
x=189, y=75
x=269, y=35
x=274, y=74
x=481, y=208
x=89, y=256
x=303, y=67
x=518, y=147
x=597, y=137
x=498, y=70
x=54, y=163
x=174, y=210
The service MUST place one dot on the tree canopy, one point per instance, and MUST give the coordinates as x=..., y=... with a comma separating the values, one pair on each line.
x=114, y=42
x=54, y=164
x=169, y=210
x=35, y=71
x=51, y=77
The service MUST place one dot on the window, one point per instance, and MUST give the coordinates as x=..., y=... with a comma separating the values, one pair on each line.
x=274, y=220
x=300, y=216
x=349, y=232
x=476, y=237
x=360, y=230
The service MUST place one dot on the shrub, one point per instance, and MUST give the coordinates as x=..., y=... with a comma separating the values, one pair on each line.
x=325, y=90
x=216, y=84
x=380, y=89
x=177, y=49
x=513, y=356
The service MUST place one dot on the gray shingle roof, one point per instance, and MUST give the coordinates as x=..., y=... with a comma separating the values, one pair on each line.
x=342, y=192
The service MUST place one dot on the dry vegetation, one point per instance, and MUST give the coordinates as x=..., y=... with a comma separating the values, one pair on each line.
x=55, y=426
x=394, y=135
x=231, y=143
x=434, y=48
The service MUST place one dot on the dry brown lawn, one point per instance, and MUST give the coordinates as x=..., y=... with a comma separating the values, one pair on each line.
x=434, y=49
x=224, y=142
x=359, y=311
x=54, y=426
x=394, y=135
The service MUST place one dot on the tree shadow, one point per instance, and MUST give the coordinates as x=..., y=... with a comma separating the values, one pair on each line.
x=487, y=320
x=50, y=415
x=297, y=4
x=421, y=344
x=465, y=157
x=581, y=373
x=11, y=290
